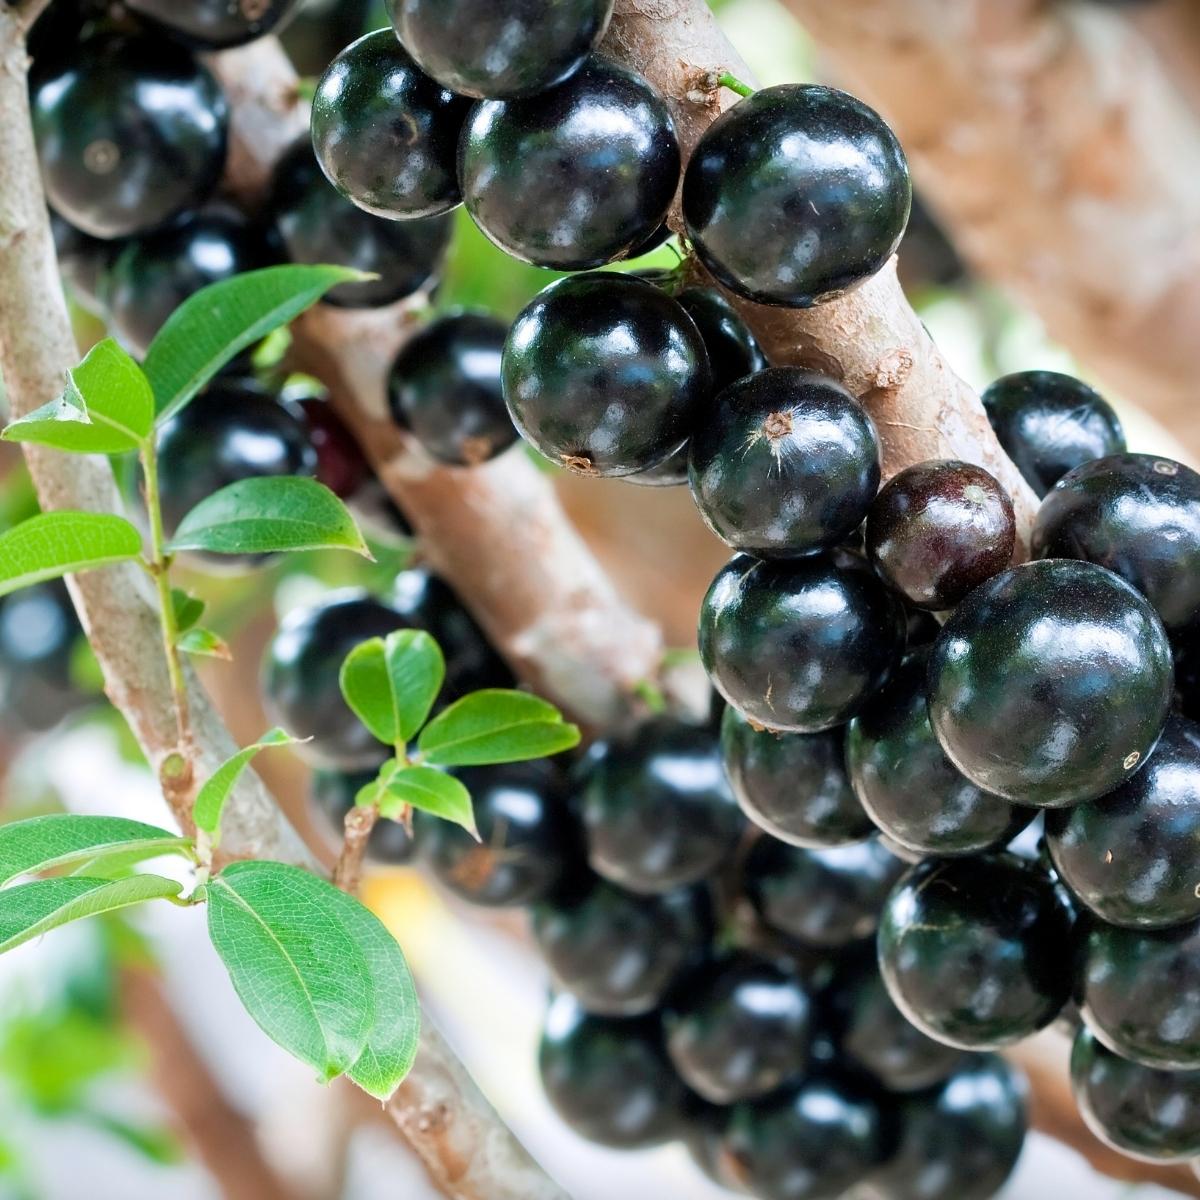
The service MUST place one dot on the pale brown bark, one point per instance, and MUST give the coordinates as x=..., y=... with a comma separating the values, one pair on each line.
x=1062, y=157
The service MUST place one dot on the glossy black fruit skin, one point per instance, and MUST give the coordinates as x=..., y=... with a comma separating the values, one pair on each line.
x=1140, y=993
x=528, y=839
x=300, y=676
x=215, y=24
x=38, y=634
x=83, y=260
x=576, y=176
x=427, y=602
x=619, y=953
x=333, y=792
x=733, y=351
x=1137, y=515
x=658, y=811
x=671, y=472
x=1050, y=684
x=1145, y=1113
x=1049, y=424
x=317, y=225
x=812, y=1143
x=793, y=785
x=385, y=134
x=131, y=130
x=976, y=952
x=784, y=463
x=1130, y=857
x=604, y=374
x=876, y=1037
x=800, y=645
x=739, y=1028
x=796, y=195
x=938, y=530
x=906, y=784
x=960, y=1142
x=153, y=275
x=609, y=1080
x=341, y=464
x=827, y=898
x=234, y=430
x=482, y=49
x=318, y=32
x=445, y=387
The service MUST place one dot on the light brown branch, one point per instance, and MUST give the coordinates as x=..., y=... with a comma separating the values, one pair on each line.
x=359, y=823
x=1060, y=154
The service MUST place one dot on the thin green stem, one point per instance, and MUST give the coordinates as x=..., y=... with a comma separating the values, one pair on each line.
x=734, y=84
x=160, y=569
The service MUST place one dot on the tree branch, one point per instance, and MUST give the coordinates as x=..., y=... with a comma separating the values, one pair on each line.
x=1062, y=157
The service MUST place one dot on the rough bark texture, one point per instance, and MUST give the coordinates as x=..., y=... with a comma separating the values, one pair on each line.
x=468, y=1151
x=1062, y=157
x=871, y=340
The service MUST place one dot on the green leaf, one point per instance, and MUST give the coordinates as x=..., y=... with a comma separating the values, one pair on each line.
x=188, y=609
x=294, y=961
x=31, y=909
x=431, y=791
x=391, y=684
x=267, y=514
x=62, y=839
x=212, y=796
x=59, y=543
x=210, y=327
x=392, y=1043
x=495, y=725
x=205, y=642
x=108, y=407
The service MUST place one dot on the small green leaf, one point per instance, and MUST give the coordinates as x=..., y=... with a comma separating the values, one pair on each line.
x=431, y=791
x=206, y=643
x=63, y=425
x=294, y=961
x=62, y=839
x=188, y=609
x=210, y=327
x=31, y=909
x=268, y=514
x=54, y=544
x=495, y=726
x=391, y=684
x=210, y=800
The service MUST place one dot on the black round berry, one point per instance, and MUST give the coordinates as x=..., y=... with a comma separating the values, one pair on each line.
x=784, y=462
x=609, y=1080
x=341, y=465
x=976, y=952
x=527, y=838
x=671, y=472
x=1050, y=683
x=215, y=24
x=960, y=1142
x=938, y=530
x=619, y=953
x=479, y=48
x=131, y=130
x=733, y=351
x=385, y=134
x=1049, y=424
x=1144, y=1112
x=908, y=786
x=796, y=195
x=605, y=374
x=83, y=261
x=334, y=792
x=300, y=676
x=1140, y=993
x=576, y=176
x=739, y=1029
x=828, y=898
x=445, y=388
x=800, y=645
x=152, y=276
x=39, y=632
x=793, y=785
x=317, y=225
x=1137, y=515
x=657, y=809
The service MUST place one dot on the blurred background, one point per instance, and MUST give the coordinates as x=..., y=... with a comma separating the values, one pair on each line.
x=122, y=1048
